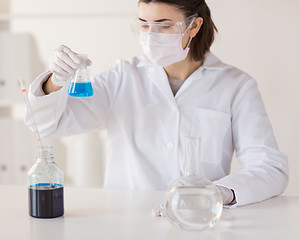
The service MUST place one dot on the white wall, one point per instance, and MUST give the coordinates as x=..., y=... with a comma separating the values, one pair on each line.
x=4, y=9
x=94, y=27
x=260, y=37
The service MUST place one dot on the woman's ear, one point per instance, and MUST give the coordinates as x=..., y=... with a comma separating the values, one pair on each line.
x=196, y=25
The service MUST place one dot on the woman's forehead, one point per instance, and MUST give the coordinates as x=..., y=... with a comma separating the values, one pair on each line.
x=156, y=12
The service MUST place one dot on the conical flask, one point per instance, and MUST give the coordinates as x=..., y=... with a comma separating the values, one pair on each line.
x=45, y=186
x=80, y=84
x=193, y=202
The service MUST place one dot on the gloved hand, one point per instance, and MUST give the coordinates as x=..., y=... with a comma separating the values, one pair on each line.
x=227, y=195
x=63, y=64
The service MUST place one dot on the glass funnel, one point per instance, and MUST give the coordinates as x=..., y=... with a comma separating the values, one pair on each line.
x=45, y=186
x=193, y=202
x=80, y=84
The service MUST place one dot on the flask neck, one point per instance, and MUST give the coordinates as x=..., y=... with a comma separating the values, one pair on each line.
x=46, y=154
x=192, y=156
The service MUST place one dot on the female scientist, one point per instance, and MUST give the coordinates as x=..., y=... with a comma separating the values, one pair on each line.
x=177, y=89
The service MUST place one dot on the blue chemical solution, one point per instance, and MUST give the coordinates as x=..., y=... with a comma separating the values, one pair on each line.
x=81, y=89
x=45, y=201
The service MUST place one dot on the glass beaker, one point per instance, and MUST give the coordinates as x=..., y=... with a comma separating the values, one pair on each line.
x=193, y=202
x=80, y=84
x=45, y=186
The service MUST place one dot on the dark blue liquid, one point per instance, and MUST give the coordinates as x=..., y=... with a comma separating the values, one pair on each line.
x=45, y=201
x=81, y=89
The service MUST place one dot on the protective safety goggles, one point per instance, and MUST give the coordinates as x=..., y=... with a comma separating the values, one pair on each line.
x=139, y=26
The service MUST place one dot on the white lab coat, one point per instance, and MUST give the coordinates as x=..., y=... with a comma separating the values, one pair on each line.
x=146, y=126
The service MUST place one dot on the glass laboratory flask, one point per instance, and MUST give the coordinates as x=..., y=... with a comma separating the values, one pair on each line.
x=45, y=186
x=80, y=84
x=193, y=202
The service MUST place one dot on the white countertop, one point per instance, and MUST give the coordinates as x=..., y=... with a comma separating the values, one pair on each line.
x=118, y=214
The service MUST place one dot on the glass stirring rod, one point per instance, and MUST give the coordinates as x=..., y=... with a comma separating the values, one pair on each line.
x=30, y=113
x=34, y=126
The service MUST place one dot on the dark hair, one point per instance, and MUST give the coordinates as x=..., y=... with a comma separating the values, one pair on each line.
x=203, y=40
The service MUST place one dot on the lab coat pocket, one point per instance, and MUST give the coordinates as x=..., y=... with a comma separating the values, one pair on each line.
x=214, y=128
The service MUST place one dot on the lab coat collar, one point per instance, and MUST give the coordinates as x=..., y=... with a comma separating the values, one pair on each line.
x=159, y=77
x=212, y=62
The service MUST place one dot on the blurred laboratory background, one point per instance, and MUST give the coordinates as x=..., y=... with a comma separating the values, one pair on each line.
x=259, y=37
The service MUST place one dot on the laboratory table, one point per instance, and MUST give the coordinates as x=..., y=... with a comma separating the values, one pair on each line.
x=95, y=213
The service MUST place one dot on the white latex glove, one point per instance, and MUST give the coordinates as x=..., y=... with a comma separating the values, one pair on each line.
x=227, y=195
x=63, y=64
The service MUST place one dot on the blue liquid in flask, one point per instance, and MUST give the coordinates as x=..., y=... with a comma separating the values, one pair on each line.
x=81, y=89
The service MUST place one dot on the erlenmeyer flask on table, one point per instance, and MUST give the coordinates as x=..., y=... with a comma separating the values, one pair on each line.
x=193, y=202
x=80, y=84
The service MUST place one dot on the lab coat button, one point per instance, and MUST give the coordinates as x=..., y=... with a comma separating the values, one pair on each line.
x=170, y=145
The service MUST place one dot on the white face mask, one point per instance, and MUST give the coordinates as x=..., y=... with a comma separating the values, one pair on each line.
x=162, y=48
